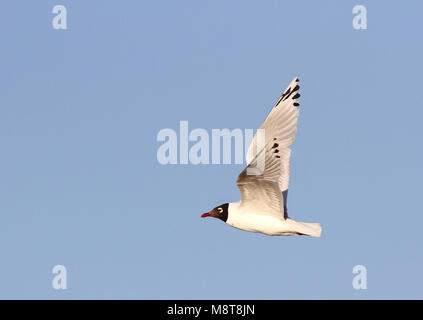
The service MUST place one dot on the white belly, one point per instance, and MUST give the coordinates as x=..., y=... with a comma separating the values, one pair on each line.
x=270, y=223
x=258, y=222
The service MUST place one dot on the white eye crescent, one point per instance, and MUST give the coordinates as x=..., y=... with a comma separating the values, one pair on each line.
x=220, y=210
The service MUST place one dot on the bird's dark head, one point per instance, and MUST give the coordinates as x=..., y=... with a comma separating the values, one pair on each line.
x=220, y=212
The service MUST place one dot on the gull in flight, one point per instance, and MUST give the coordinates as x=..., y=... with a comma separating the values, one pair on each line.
x=264, y=182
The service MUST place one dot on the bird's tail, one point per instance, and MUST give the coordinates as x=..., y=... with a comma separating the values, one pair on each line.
x=307, y=228
x=313, y=229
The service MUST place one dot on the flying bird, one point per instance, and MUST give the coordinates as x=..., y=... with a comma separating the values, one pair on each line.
x=264, y=184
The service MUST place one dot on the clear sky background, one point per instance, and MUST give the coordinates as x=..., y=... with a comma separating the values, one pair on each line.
x=80, y=184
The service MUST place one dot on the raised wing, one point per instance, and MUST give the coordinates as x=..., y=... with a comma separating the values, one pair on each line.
x=280, y=123
x=261, y=184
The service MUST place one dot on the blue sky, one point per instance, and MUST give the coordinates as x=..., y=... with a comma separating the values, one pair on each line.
x=80, y=184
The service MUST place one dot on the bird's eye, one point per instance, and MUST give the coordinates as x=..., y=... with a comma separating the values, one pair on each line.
x=220, y=210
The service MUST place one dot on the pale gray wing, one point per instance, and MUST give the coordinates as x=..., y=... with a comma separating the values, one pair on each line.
x=281, y=123
x=262, y=189
x=259, y=182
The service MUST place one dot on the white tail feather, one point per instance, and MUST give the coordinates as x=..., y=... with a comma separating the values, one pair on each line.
x=308, y=228
x=313, y=229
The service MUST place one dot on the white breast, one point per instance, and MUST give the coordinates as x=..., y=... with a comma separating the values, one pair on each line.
x=247, y=220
